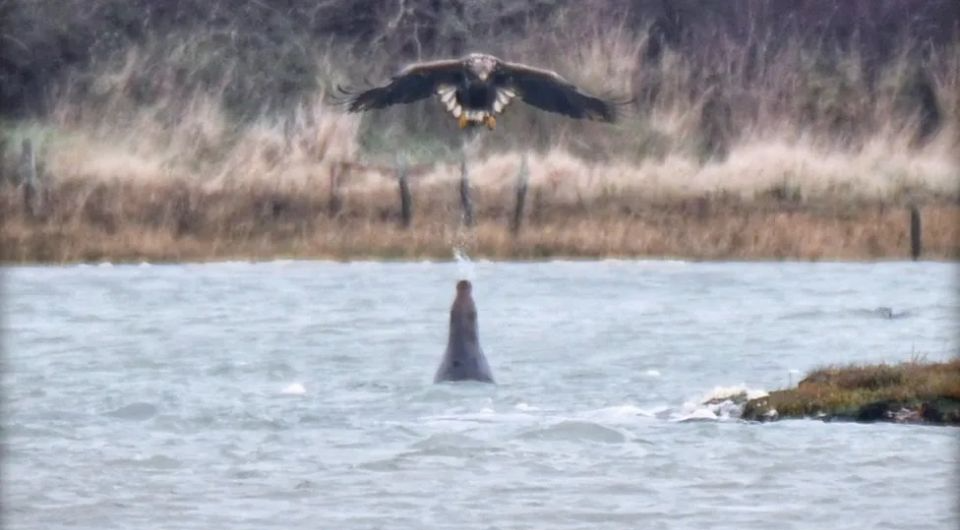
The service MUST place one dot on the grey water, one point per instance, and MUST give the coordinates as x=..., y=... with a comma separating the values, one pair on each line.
x=299, y=395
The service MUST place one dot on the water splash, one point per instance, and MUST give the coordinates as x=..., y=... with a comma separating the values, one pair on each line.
x=465, y=268
x=721, y=403
x=460, y=255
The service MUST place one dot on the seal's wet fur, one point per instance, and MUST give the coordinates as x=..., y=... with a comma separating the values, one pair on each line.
x=464, y=359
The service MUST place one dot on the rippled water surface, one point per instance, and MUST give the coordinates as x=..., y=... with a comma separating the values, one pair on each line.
x=299, y=395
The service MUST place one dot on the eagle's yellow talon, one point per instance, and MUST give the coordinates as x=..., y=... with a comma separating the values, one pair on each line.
x=490, y=121
x=463, y=121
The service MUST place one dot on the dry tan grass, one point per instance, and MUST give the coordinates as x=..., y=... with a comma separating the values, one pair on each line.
x=884, y=168
x=127, y=221
x=813, y=163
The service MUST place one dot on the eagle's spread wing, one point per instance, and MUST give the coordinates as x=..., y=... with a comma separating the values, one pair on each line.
x=414, y=82
x=546, y=90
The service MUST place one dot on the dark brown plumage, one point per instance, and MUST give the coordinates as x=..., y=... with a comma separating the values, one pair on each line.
x=477, y=87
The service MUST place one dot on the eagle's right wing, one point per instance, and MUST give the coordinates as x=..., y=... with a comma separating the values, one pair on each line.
x=415, y=82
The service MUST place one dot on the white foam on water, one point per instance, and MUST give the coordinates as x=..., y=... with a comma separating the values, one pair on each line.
x=651, y=373
x=234, y=263
x=643, y=263
x=483, y=416
x=294, y=389
x=721, y=403
x=701, y=414
x=526, y=414
x=729, y=392
x=617, y=413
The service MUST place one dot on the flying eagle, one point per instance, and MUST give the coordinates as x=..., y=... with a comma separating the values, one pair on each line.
x=476, y=87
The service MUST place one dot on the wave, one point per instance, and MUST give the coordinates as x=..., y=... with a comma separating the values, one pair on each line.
x=294, y=389
x=152, y=462
x=134, y=412
x=576, y=431
x=881, y=312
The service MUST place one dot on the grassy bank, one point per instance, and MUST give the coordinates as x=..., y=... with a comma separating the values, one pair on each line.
x=208, y=132
x=913, y=392
x=123, y=221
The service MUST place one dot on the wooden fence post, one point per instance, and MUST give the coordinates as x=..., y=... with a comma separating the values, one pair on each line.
x=465, y=201
x=32, y=192
x=521, y=196
x=916, y=243
x=334, y=201
x=406, y=199
x=3, y=161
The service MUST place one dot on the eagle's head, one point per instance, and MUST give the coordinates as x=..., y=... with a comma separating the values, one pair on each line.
x=481, y=64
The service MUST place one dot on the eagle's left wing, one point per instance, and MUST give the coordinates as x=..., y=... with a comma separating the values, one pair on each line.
x=546, y=90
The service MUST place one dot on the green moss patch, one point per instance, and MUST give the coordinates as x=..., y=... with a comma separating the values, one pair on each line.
x=910, y=392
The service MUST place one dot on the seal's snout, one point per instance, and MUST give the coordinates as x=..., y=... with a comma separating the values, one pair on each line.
x=463, y=287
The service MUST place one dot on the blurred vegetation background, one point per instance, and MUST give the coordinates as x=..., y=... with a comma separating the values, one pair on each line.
x=209, y=128
x=207, y=81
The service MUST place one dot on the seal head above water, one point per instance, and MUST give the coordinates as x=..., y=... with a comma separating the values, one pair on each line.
x=463, y=360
